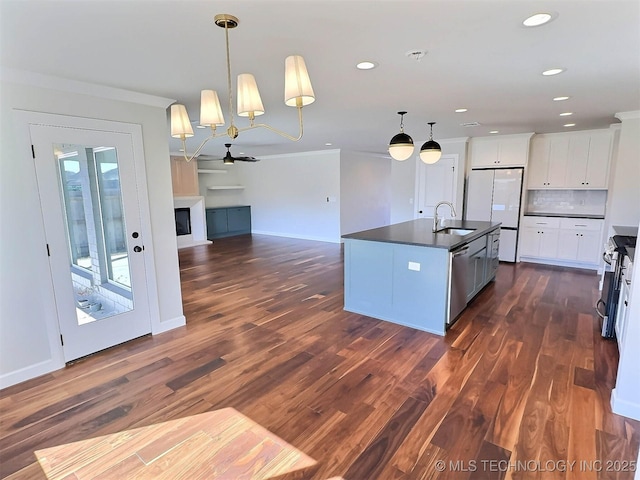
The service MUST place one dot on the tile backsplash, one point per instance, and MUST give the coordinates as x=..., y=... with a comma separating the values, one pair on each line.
x=583, y=202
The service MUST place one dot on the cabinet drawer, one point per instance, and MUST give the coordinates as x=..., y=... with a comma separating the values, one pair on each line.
x=539, y=222
x=581, y=224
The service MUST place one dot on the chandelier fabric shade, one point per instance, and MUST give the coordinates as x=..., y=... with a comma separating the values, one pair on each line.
x=297, y=84
x=180, y=123
x=210, y=110
x=249, y=101
x=298, y=92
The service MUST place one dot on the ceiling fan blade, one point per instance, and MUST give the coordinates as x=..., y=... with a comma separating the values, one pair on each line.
x=247, y=159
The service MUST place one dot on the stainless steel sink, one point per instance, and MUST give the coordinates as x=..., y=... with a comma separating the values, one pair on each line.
x=455, y=231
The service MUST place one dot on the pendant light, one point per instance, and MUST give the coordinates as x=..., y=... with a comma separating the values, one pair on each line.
x=430, y=152
x=401, y=145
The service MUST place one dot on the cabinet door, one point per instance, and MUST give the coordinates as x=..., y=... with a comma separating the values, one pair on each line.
x=481, y=262
x=576, y=169
x=484, y=152
x=513, y=151
x=548, y=243
x=529, y=242
x=589, y=248
x=184, y=177
x=539, y=162
x=597, y=171
x=216, y=222
x=568, y=244
x=558, y=154
x=239, y=219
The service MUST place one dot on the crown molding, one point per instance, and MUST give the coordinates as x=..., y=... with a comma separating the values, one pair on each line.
x=622, y=116
x=23, y=77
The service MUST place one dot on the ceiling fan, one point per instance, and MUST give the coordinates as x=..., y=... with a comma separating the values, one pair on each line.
x=228, y=159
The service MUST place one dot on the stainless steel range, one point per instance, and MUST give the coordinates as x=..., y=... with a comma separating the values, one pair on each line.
x=607, y=306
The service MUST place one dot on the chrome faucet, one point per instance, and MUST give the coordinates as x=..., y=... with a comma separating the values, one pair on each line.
x=435, y=214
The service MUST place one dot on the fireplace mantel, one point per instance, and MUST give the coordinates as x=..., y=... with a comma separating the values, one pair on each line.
x=198, y=221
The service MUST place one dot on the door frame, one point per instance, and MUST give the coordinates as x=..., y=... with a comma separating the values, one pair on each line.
x=25, y=119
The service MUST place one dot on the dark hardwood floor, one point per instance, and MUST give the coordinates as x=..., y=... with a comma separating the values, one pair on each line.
x=518, y=388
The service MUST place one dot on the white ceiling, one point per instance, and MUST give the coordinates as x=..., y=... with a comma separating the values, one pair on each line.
x=479, y=57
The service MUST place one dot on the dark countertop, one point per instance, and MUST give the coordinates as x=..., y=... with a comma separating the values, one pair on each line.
x=564, y=215
x=418, y=232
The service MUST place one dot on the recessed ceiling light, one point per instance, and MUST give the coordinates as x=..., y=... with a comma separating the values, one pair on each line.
x=201, y=126
x=366, y=65
x=537, y=20
x=569, y=124
x=553, y=71
x=566, y=114
x=560, y=99
x=328, y=144
x=494, y=131
x=461, y=110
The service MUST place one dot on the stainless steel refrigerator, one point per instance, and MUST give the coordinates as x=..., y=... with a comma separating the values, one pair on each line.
x=494, y=195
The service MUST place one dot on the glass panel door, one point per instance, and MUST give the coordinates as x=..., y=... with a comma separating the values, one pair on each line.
x=91, y=211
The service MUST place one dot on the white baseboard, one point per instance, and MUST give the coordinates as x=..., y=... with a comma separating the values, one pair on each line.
x=624, y=407
x=27, y=373
x=160, y=327
x=297, y=236
x=559, y=263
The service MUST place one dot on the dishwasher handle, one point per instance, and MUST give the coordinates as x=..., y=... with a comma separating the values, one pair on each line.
x=460, y=251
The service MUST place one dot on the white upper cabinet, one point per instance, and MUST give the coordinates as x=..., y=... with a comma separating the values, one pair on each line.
x=576, y=160
x=588, y=163
x=548, y=160
x=503, y=151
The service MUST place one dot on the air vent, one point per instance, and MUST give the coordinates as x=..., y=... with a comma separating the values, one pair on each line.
x=470, y=124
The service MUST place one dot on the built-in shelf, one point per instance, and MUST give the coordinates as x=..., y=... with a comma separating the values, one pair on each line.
x=225, y=187
x=208, y=170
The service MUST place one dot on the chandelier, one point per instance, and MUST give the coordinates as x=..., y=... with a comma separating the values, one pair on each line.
x=297, y=93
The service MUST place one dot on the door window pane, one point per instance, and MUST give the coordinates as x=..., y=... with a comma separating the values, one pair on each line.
x=96, y=233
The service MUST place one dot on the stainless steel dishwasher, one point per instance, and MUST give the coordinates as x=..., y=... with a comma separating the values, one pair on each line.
x=458, y=267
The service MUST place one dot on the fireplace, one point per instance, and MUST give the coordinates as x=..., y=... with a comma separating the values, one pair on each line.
x=191, y=227
x=183, y=221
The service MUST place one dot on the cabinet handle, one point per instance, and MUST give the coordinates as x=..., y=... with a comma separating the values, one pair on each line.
x=626, y=304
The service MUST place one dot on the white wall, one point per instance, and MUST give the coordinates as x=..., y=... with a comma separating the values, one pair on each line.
x=625, y=398
x=29, y=343
x=365, y=192
x=288, y=195
x=221, y=198
x=624, y=195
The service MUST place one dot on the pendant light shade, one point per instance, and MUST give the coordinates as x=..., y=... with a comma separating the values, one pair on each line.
x=298, y=91
x=210, y=110
x=401, y=145
x=180, y=123
x=430, y=152
x=249, y=101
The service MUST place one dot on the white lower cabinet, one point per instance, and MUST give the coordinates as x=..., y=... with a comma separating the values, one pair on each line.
x=575, y=242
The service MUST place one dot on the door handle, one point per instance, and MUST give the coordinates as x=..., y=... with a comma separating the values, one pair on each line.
x=137, y=249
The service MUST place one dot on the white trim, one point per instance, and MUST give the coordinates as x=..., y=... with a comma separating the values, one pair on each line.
x=623, y=407
x=559, y=263
x=297, y=236
x=34, y=79
x=167, y=325
x=32, y=371
x=622, y=116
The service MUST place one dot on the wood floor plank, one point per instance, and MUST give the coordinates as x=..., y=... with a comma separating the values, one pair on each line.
x=522, y=375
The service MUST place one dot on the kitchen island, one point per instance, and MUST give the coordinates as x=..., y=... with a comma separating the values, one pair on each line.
x=407, y=274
